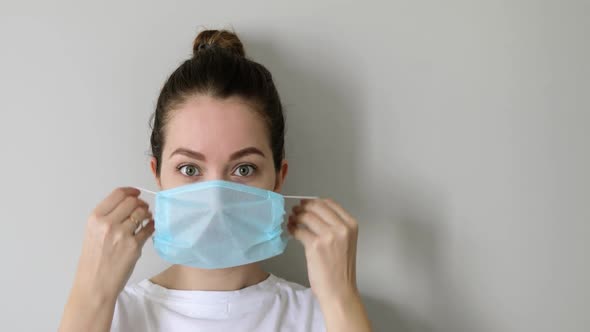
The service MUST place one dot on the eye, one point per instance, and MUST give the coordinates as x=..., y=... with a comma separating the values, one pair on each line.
x=189, y=170
x=245, y=170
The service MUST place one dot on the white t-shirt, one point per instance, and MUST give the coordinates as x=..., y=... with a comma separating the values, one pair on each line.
x=274, y=304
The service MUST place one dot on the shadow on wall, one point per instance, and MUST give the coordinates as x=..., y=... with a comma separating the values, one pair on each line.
x=408, y=222
x=322, y=110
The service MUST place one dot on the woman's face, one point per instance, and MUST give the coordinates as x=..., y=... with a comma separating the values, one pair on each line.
x=217, y=139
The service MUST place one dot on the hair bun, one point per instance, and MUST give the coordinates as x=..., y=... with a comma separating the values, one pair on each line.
x=218, y=38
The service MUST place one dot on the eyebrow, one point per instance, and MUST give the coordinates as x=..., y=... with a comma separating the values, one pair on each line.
x=199, y=156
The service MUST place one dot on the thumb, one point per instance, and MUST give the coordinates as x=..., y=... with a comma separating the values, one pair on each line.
x=301, y=233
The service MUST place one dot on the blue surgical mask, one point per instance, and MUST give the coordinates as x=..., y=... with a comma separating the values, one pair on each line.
x=218, y=224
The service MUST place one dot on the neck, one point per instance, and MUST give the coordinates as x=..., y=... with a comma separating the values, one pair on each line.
x=182, y=277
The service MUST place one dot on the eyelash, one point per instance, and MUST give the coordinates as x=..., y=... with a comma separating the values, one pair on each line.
x=254, y=169
x=242, y=165
x=179, y=168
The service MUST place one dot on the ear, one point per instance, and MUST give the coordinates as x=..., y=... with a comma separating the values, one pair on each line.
x=281, y=175
x=154, y=166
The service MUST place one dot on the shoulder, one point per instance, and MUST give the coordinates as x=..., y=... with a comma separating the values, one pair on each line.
x=286, y=284
x=130, y=305
x=291, y=288
x=299, y=301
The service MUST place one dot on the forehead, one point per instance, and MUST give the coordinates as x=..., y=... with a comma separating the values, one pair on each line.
x=216, y=126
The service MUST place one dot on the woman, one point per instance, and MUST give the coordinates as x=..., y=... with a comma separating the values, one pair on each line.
x=218, y=117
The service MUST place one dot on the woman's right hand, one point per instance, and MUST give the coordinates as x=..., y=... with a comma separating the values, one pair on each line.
x=111, y=247
x=110, y=250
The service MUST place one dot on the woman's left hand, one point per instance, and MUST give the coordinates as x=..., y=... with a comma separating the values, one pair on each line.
x=329, y=235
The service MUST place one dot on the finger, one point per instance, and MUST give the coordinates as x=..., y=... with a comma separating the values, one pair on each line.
x=136, y=218
x=301, y=233
x=145, y=232
x=323, y=210
x=113, y=199
x=350, y=220
x=125, y=208
x=310, y=220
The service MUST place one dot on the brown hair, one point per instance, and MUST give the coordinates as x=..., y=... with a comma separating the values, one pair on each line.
x=219, y=68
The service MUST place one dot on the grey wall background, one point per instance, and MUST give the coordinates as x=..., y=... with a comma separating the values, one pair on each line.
x=457, y=132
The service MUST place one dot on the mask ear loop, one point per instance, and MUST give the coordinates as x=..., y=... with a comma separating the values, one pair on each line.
x=145, y=190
